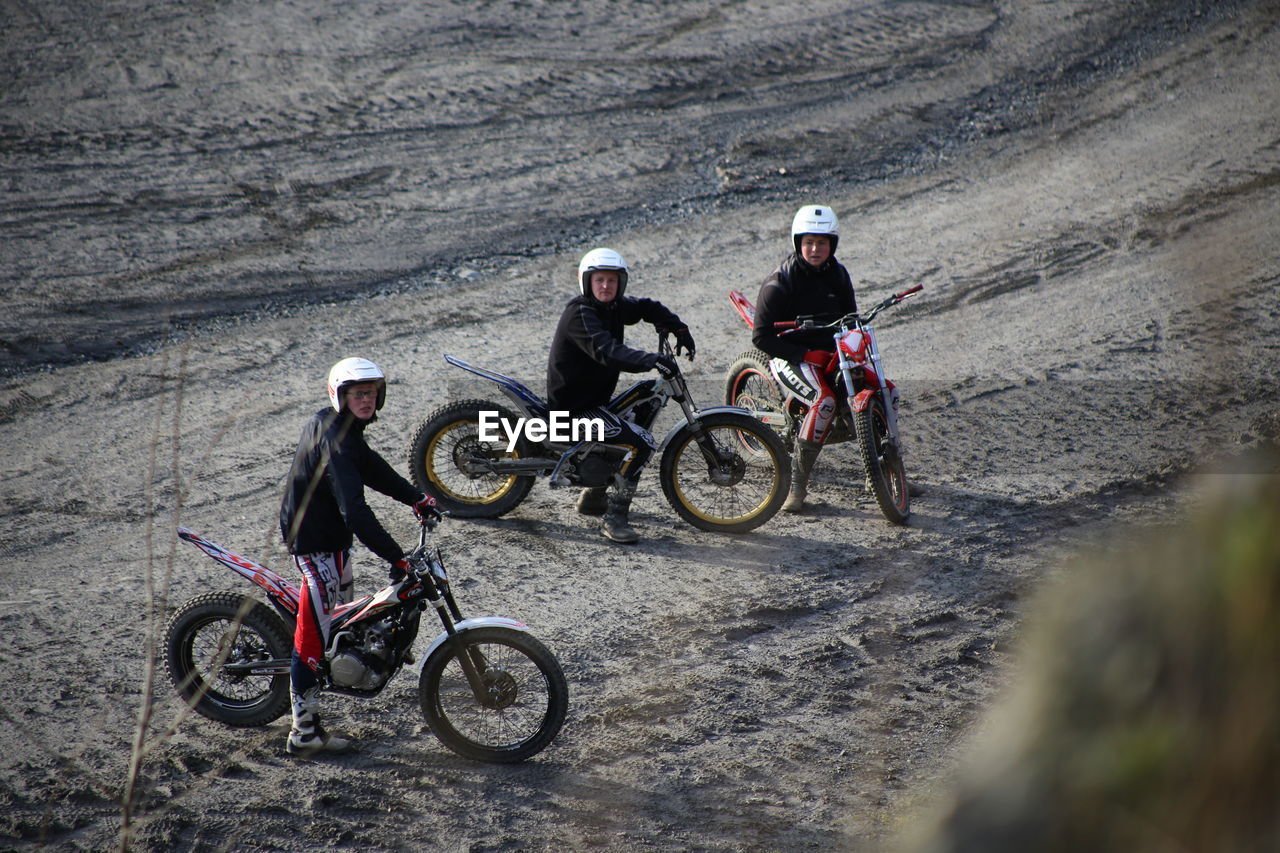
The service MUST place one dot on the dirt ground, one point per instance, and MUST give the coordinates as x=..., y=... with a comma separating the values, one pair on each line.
x=206, y=204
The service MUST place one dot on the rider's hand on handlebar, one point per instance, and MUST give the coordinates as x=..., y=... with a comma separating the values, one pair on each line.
x=684, y=340
x=398, y=570
x=666, y=365
x=425, y=509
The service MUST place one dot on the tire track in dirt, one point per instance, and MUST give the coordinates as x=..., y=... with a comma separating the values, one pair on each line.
x=396, y=153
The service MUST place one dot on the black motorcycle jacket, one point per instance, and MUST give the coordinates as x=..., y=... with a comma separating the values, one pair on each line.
x=794, y=290
x=324, y=503
x=587, y=354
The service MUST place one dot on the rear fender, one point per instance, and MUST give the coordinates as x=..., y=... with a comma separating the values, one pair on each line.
x=777, y=420
x=282, y=593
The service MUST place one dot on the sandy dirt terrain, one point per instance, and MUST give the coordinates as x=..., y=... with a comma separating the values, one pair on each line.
x=207, y=204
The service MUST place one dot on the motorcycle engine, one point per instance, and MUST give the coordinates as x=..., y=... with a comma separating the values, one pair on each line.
x=361, y=661
x=597, y=467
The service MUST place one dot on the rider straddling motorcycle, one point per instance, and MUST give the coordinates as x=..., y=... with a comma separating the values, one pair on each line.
x=323, y=507
x=809, y=282
x=588, y=355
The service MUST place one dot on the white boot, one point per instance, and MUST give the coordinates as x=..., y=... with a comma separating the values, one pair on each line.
x=307, y=737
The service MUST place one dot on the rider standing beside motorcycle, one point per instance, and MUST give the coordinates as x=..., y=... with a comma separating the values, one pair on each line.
x=588, y=355
x=809, y=283
x=322, y=510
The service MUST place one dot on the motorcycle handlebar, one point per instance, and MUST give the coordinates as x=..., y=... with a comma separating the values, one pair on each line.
x=428, y=525
x=810, y=322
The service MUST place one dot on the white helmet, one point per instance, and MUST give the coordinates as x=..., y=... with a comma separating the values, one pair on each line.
x=351, y=371
x=815, y=219
x=601, y=259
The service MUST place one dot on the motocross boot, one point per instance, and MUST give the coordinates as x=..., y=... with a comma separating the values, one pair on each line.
x=593, y=501
x=806, y=453
x=614, y=525
x=307, y=737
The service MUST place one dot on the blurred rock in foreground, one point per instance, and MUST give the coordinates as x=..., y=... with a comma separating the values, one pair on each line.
x=1145, y=715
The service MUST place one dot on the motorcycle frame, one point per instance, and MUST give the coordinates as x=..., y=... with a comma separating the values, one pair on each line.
x=665, y=389
x=428, y=584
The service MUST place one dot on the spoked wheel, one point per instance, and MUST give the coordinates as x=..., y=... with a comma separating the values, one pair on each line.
x=447, y=461
x=882, y=461
x=716, y=483
x=750, y=385
x=211, y=644
x=523, y=701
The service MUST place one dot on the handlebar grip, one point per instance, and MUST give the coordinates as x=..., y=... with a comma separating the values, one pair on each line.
x=786, y=324
x=910, y=290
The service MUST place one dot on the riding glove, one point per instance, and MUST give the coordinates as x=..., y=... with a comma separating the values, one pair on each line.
x=684, y=340
x=398, y=570
x=425, y=509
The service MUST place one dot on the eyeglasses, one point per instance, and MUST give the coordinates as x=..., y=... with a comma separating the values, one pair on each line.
x=362, y=395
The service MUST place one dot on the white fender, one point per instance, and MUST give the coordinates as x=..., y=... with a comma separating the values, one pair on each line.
x=469, y=625
x=711, y=410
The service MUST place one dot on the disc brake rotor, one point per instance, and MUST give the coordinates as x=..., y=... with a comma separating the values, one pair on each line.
x=730, y=471
x=501, y=688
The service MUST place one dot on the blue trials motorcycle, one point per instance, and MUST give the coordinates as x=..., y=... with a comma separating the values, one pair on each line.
x=721, y=469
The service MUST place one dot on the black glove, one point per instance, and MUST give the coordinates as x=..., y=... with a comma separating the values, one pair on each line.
x=684, y=340
x=425, y=509
x=666, y=365
x=398, y=570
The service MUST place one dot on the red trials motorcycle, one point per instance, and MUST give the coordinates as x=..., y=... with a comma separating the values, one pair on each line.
x=867, y=411
x=489, y=690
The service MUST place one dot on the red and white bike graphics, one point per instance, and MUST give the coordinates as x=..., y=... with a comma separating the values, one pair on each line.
x=488, y=688
x=867, y=401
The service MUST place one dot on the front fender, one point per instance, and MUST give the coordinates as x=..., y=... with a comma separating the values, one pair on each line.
x=469, y=625
x=863, y=399
x=712, y=410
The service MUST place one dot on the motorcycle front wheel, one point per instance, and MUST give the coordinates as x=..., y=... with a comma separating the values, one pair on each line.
x=522, y=704
x=749, y=384
x=447, y=461
x=882, y=462
x=731, y=479
x=218, y=630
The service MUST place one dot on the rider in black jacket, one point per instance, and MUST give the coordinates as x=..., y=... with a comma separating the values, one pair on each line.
x=809, y=283
x=322, y=512
x=586, y=359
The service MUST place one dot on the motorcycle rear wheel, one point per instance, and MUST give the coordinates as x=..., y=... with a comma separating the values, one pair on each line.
x=739, y=494
x=526, y=703
x=442, y=449
x=882, y=462
x=219, y=628
x=749, y=384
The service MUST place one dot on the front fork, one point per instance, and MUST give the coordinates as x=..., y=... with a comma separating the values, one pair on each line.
x=470, y=658
x=887, y=395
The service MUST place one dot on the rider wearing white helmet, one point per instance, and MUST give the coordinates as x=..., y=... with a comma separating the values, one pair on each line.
x=587, y=357
x=810, y=282
x=322, y=512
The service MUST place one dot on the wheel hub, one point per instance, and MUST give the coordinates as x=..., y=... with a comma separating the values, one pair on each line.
x=501, y=688
x=465, y=454
x=730, y=471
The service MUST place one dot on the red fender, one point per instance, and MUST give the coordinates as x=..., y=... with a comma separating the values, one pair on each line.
x=863, y=398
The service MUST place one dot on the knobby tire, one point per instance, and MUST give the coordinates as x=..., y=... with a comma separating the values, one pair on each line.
x=218, y=628
x=531, y=696
x=883, y=464
x=446, y=441
x=742, y=497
